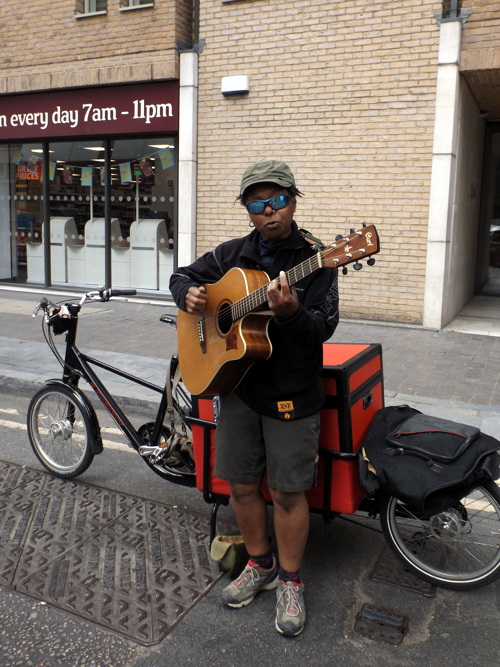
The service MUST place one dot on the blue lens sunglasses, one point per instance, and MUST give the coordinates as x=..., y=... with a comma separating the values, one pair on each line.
x=258, y=206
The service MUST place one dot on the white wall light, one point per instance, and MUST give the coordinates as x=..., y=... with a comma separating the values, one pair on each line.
x=235, y=85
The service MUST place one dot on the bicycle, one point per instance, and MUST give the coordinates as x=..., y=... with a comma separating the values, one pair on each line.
x=457, y=548
x=63, y=427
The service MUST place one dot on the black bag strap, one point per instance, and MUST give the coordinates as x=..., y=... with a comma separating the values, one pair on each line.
x=428, y=436
x=428, y=424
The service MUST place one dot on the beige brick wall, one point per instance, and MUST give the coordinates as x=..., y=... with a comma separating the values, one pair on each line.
x=45, y=46
x=481, y=36
x=344, y=92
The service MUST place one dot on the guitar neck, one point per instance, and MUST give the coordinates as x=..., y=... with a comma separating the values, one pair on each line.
x=344, y=250
x=257, y=299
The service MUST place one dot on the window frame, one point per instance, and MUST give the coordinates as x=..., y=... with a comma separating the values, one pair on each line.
x=128, y=5
x=84, y=8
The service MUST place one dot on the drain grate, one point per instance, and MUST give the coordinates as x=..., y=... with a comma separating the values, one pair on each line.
x=129, y=564
x=381, y=624
x=388, y=570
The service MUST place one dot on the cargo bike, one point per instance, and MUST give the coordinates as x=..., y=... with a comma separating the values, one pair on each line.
x=459, y=547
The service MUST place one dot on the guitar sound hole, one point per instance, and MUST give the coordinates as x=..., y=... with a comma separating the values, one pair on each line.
x=224, y=321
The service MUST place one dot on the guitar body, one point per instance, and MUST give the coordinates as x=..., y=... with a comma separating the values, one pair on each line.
x=215, y=352
x=218, y=346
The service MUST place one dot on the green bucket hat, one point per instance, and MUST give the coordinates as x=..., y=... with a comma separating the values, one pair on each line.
x=268, y=171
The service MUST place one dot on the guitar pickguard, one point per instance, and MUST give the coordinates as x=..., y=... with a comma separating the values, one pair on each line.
x=232, y=340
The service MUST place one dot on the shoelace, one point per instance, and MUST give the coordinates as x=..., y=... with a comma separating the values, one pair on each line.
x=248, y=573
x=292, y=605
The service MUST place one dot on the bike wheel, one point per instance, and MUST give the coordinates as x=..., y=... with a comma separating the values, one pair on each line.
x=458, y=548
x=59, y=432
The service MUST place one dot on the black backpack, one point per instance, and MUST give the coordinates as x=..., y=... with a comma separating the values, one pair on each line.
x=427, y=462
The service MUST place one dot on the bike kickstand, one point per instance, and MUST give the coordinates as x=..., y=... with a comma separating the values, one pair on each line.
x=217, y=502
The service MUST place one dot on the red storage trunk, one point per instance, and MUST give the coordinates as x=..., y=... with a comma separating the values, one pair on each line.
x=354, y=393
x=353, y=381
x=203, y=423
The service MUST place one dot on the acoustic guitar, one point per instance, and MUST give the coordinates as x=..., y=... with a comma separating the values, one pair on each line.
x=218, y=346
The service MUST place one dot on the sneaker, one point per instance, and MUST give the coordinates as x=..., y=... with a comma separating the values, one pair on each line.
x=253, y=579
x=290, y=609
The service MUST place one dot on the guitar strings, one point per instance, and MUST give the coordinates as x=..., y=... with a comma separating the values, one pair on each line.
x=251, y=302
x=223, y=319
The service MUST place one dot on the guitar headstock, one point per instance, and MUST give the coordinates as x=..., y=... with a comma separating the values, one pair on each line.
x=346, y=249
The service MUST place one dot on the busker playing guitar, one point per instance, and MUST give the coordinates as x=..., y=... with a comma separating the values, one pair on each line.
x=270, y=421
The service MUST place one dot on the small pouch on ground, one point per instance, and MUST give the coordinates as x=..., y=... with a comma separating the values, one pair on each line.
x=230, y=552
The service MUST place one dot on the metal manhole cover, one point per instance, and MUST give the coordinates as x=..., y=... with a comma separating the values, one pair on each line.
x=388, y=570
x=129, y=564
x=12, y=476
x=381, y=624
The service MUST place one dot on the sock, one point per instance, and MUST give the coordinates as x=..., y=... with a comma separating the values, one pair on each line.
x=265, y=561
x=289, y=576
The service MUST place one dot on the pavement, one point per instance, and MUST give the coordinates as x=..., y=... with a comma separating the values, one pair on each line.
x=445, y=373
x=451, y=374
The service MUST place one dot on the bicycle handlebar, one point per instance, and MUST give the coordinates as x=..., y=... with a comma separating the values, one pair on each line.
x=101, y=294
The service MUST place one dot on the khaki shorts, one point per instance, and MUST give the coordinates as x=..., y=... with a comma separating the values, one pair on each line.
x=247, y=443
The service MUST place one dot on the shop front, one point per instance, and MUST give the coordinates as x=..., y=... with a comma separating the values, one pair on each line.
x=88, y=186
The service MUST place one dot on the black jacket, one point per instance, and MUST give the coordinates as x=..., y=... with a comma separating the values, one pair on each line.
x=292, y=374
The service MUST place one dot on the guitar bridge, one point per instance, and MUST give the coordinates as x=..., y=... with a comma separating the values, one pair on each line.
x=201, y=333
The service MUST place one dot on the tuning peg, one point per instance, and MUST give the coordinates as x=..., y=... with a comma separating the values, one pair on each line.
x=364, y=224
x=344, y=270
x=371, y=261
x=352, y=230
x=339, y=237
x=358, y=266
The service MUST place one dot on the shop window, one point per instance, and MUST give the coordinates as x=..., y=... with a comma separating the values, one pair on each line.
x=141, y=204
x=86, y=7
x=21, y=211
x=135, y=4
x=142, y=182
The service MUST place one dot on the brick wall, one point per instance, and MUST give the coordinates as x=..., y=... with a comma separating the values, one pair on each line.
x=44, y=46
x=481, y=36
x=344, y=92
x=480, y=56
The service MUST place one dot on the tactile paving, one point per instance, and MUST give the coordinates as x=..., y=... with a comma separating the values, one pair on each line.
x=129, y=564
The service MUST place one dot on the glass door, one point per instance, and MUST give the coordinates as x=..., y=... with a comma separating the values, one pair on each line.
x=488, y=282
x=142, y=212
x=76, y=196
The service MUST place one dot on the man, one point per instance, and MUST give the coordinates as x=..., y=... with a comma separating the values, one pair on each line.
x=271, y=420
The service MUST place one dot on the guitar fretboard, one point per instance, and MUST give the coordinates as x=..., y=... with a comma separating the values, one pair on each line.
x=256, y=299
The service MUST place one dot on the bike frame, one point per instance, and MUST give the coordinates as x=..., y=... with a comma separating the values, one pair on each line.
x=77, y=364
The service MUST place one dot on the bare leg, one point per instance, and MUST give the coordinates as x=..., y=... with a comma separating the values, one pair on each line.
x=250, y=509
x=291, y=525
